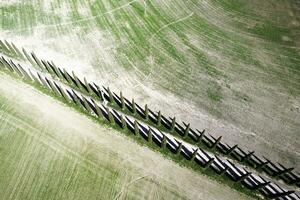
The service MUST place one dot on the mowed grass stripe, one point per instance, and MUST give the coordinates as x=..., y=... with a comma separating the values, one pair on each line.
x=38, y=164
x=9, y=158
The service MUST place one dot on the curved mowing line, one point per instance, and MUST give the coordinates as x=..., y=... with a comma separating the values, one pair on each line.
x=80, y=20
x=159, y=30
x=158, y=120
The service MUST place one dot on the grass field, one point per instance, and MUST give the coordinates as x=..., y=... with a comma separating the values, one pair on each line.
x=72, y=157
x=229, y=66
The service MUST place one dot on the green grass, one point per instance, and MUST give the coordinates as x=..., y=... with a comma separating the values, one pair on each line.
x=271, y=32
x=222, y=43
x=68, y=170
x=50, y=166
x=141, y=141
x=214, y=92
x=42, y=172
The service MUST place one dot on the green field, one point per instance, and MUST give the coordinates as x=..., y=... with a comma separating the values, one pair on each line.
x=229, y=66
x=72, y=157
